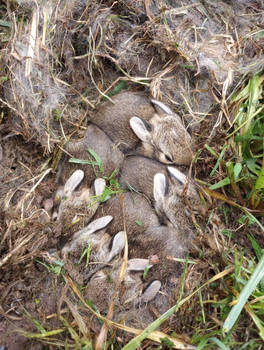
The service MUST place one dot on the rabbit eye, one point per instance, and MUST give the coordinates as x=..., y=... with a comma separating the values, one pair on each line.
x=168, y=158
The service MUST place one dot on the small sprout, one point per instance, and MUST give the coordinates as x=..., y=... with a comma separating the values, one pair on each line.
x=98, y=160
x=246, y=219
x=57, y=115
x=113, y=188
x=55, y=268
x=86, y=252
x=145, y=273
x=139, y=223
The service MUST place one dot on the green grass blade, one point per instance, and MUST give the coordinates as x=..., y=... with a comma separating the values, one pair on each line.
x=258, y=322
x=220, y=344
x=254, y=95
x=97, y=159
x=242, y=94
x=81, y=161
x=41, y=335
x=256, y=277
x=219, y=160
x=135, y=342
x=258, y=188
x=209, y=149
x=224, y=182
x=257, y=248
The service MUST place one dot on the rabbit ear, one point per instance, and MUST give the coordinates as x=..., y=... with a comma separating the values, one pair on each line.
x=141, y=128
x=160, y=187
x=99, y=186
x=178, y=175
x=151, y=291
x=82, y=235
x=161, y=108
x=117, y=245
x=137, y=264
x=74, y=180
x=98, y=224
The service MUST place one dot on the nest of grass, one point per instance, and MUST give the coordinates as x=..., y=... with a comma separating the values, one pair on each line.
x=63, y=58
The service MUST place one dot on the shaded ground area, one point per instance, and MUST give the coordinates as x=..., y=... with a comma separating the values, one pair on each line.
x=60, y=61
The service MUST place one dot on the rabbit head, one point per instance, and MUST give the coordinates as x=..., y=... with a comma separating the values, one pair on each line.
x=133, y=116
x=172, y=201
x=104, y=248
x=76, y=206
x=163, y=137
x=138, y=173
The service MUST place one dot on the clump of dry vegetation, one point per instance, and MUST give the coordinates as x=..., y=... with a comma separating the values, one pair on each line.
x=59, y=60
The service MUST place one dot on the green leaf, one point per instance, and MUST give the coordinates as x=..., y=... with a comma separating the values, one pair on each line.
x=224, y=182
x=237, y=170
x=98, y=159
x=257, y=248
x=81, y=161
x=219, y=160
x=253, y=166
x=242, y=94
x=119, y=87
x=258, y=189
x=211, y=150
x=139, y=223
x=220, y=344
x=146, y=270
x=251, y=285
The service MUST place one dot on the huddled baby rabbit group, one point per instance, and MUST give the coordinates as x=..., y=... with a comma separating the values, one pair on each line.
x=143, y=140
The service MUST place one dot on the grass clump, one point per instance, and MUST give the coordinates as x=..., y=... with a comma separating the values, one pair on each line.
x=245, y=142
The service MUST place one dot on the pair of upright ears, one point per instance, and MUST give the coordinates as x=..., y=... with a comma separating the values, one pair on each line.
x=161, y=182
x=142, y=128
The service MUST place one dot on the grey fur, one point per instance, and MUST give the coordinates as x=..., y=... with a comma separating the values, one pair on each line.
x=133, y=116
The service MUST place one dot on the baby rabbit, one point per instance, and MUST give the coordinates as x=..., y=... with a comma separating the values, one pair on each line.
x=133, y=116
x=139, y=173
x=100, y=144
x=146, y=236
x=132, y=296
x=172, y=205
x=76, y=207
x=101, y=286
x=139, y=215
x=98, y=238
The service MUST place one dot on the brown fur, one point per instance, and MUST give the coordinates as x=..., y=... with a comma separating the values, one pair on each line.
x=137, y=208
x=97, y=140
x=166, y=140
x=114, y=118
x=139, y=172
